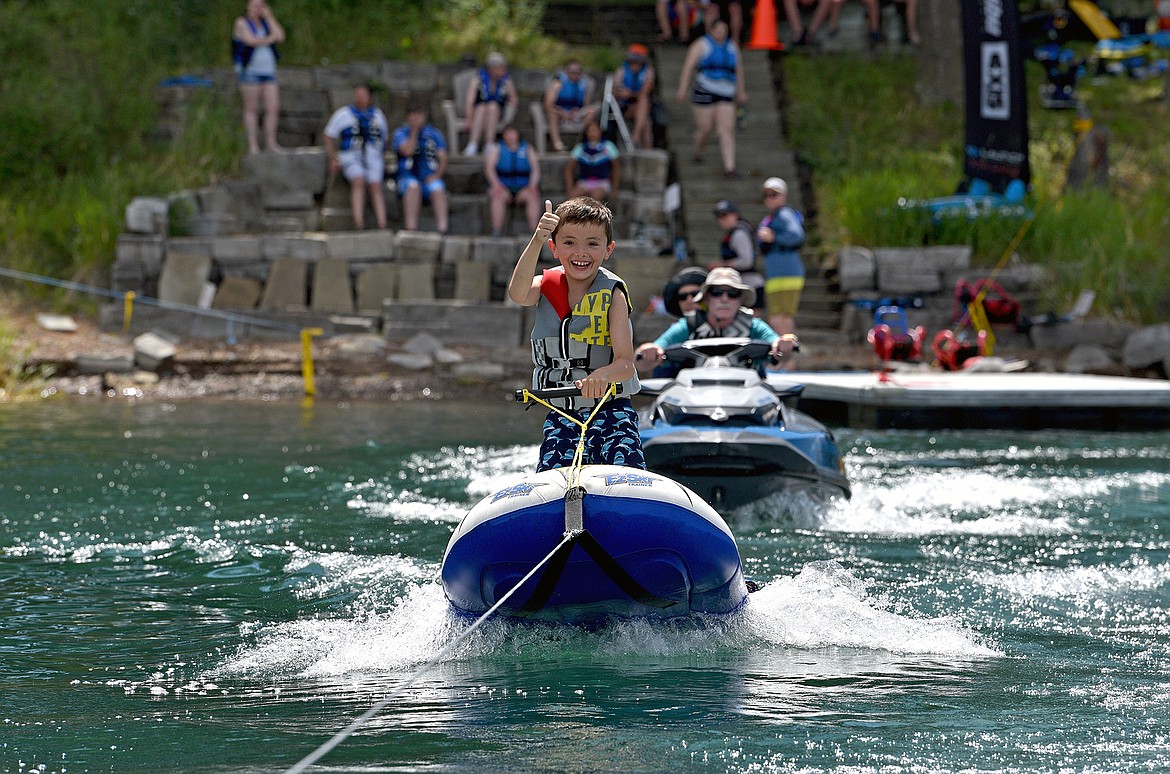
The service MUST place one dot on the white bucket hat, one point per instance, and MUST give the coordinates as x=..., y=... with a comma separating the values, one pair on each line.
x=725, y=277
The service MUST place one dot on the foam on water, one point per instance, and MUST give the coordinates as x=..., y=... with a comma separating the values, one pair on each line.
x=823, y=606
x=1090, y=583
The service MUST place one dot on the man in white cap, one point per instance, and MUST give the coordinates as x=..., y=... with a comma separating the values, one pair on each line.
x=780, y=234
x=724, y=311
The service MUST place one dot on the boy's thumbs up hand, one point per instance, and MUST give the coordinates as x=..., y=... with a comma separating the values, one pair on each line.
x=548, y=221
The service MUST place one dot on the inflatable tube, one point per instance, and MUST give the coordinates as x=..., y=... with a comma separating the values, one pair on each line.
x=649, y=548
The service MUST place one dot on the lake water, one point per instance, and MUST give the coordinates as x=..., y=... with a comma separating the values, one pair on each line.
x=222, y=587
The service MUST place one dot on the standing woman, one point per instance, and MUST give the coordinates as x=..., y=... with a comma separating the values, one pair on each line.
x=254, y=39
x=718, y=88
x=513, y=174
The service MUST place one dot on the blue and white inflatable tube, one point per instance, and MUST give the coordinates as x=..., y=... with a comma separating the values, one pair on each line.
x=649, y=547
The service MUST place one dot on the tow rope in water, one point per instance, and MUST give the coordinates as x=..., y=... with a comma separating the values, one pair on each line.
x=346, y=732
x=560, y=552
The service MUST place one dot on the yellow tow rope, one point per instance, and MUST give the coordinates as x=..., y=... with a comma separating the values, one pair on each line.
x=579, y=456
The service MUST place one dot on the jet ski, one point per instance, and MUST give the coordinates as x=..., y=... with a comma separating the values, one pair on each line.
x=734, y=435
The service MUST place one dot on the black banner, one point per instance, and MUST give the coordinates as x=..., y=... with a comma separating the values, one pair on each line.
x=996, y=147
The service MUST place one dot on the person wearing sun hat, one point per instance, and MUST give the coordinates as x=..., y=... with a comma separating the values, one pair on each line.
x=633, y=86
x=780, y=235
x=724, y=311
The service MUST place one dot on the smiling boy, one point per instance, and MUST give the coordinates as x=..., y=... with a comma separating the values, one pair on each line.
x=582, y=335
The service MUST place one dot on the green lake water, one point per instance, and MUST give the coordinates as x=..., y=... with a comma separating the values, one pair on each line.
x=221, y=587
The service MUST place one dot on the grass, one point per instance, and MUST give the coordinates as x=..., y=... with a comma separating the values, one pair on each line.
x=77, y=113
x=869, y=143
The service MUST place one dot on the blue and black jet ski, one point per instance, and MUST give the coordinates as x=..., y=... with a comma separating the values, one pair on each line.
x=735, y=436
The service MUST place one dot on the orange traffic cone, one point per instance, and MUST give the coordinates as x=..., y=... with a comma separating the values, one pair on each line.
x=764, y=27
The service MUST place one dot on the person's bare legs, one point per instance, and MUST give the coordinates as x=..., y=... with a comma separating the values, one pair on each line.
x=792, y=16
x=704, y=118
x=498, y=201
x=643, y=137
x=270, y=92
x=250, y=97
x=439, y=205
x=533, y=206
x=378, y=199
x=819, y=16
x=665, y=34
x=357, y=202
x=411, y=204
x=724, y=118
x=491, y=123
x=735, y=21
x=911, y=20
x=873, y=15
x=476, y=128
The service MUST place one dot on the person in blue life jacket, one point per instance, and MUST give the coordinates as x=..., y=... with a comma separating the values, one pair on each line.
x=568, y=99
x=582, y=336
x=355, y=141
x=715, y=63
x=780, y=236
x=633, y=87
x=487, y=96
x=512, y=170
x=594, y=167
x=255, y=36
x=422, y=160
x=724, y=311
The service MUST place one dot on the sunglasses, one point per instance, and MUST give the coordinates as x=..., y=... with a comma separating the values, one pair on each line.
x=771, y=194
x=687, y=295
x=721, y=292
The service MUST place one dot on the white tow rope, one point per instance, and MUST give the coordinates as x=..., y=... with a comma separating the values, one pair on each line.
x=346, y=732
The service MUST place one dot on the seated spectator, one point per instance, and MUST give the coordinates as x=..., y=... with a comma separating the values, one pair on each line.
x=569, y=101
x=633, y=87
x=594, y=168
x=487, y=96
x=513, y=174
x=355, y=140
x=723, y=311
x=422, y=160
x=737, y=249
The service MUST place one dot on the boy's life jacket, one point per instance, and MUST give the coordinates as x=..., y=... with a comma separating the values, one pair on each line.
x=570, y=342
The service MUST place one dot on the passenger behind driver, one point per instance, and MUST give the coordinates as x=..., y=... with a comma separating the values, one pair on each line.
x=724, y=311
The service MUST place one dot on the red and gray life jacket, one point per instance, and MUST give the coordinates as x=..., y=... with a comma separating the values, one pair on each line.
x=569, y=343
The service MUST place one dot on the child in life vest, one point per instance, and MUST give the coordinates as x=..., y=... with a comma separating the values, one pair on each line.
x=582, y=336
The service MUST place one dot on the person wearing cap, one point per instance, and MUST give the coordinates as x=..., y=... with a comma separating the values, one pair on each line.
x=681, y=290
x=487, y=96
x=780, y=235
x=714, y=62
x=737, y=249
x=724, y=311
x=633, y=86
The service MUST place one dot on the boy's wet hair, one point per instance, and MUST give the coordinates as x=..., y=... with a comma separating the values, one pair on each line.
x=584, y=209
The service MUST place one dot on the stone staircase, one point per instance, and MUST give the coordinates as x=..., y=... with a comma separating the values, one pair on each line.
x=761, y=152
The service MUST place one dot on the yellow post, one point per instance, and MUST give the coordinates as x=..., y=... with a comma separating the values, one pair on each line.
x=127, y=310
x=307, y=335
